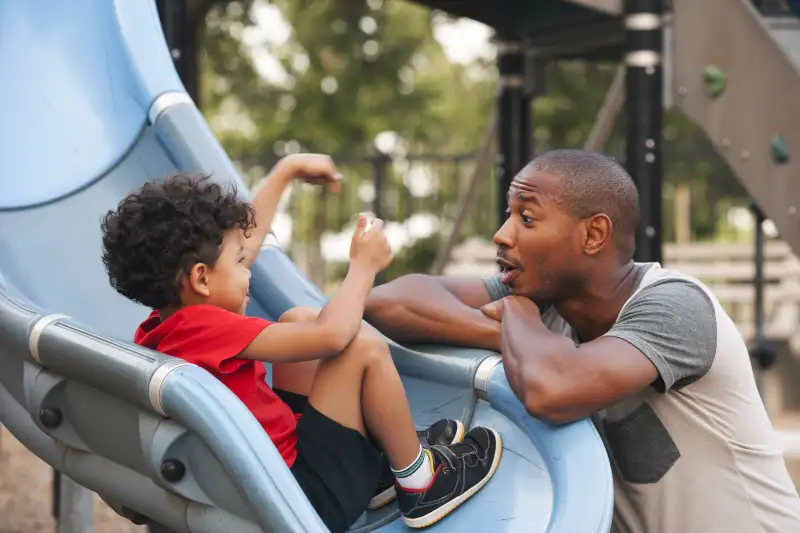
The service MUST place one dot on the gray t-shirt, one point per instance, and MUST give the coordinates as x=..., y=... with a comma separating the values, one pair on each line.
x=696, y=452
x=670, y=321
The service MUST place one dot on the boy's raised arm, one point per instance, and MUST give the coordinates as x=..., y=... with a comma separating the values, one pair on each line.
x=313, y=168
x=340, y=319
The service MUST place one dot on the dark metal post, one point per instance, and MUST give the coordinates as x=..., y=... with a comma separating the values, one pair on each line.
x=760, y=348
x=759, y=274
x=513, y=117
x=379, y=163
x=643, y=106
x=175, y=23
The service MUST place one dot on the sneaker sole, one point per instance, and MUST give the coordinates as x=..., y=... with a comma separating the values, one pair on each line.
x=434, y=516
x=388, y=496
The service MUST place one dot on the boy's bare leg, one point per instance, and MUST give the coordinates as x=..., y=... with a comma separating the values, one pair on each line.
x=360, y=388
x=296, y=377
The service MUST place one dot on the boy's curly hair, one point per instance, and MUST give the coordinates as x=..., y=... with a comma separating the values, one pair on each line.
x=158, y=233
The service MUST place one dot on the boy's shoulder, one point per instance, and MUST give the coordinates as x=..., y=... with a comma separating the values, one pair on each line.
x=199, y=328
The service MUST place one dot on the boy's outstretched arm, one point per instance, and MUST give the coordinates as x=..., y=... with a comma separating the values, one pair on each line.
x=313, y=168
x=340, y=319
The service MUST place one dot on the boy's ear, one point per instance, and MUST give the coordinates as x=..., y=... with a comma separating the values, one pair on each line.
x=198, y=279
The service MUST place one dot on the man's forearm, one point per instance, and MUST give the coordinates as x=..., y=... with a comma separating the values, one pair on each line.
x=418, y=309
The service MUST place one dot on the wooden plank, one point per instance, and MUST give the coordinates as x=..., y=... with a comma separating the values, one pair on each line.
x=738, y=272
x=700, y=251
x=773, y=294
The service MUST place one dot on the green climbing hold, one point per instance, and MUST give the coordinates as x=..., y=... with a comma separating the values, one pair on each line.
x=715, y=81
x=780, y=150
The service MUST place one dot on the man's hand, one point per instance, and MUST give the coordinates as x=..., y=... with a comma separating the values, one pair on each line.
x=317, y=169
x=493, y=310
x=518, y=304
x=522, y=306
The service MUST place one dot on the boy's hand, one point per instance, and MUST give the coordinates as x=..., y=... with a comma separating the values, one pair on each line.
x=370, y=246
x=317, y=169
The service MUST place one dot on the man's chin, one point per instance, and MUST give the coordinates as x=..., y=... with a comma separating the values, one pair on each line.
x=521, y=290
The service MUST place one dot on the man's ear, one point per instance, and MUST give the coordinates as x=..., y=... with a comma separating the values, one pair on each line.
x=197, y=280
x=598, y=233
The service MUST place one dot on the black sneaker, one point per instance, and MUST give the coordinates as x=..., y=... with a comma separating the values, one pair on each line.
x=443, y=432
x=461, y=471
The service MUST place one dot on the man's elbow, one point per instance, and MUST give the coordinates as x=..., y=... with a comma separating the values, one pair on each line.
x=543, y=400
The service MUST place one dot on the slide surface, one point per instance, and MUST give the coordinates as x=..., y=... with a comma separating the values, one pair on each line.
x=92, y=110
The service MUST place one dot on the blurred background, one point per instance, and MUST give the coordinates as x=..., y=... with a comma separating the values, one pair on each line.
x=402, y=97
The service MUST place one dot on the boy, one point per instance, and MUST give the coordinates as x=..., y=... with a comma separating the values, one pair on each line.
x=184, y=248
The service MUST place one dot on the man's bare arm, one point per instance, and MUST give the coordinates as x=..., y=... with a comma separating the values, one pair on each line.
x=559, y=381
x=665, y=337
x=420, y=308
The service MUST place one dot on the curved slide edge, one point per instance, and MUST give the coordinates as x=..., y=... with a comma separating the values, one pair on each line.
x=66, y=67
x=581, y=474
x=759, y=102
x=182, y=392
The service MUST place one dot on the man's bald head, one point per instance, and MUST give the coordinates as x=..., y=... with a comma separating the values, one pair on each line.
x=593, y=184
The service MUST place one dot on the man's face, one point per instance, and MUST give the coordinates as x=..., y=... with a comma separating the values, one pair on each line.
x=539, y=245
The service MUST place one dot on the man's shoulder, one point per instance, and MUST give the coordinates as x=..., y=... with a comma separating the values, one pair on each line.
x=673, y=286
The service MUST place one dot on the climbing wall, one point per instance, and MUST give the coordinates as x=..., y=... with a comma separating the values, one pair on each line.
x=737, y=76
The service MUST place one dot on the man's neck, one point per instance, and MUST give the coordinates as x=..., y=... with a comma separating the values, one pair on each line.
x=594, y=312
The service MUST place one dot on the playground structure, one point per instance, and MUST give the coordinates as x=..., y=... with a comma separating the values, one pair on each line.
x=96, y=107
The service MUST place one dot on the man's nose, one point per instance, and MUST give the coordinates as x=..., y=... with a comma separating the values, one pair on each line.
x=505, y=235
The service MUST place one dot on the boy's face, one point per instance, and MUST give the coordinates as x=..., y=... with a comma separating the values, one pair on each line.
x=227, y=284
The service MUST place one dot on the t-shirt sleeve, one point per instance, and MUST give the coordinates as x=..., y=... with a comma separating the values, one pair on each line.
x=673, y=323
x=497, y=291
x=212, y=337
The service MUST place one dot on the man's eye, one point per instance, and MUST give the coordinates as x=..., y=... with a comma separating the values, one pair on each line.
x=526, y=219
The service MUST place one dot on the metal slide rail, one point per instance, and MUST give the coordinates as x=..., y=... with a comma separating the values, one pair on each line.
x=182, y=392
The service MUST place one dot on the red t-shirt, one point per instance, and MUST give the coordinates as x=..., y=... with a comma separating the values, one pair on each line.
x=211, y=337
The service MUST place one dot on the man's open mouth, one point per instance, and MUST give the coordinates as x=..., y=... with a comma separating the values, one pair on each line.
x=508, y=271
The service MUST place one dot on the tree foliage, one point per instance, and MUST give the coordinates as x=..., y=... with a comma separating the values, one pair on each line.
x=350, y=70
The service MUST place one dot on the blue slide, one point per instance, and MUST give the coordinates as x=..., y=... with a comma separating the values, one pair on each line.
x=90, y=108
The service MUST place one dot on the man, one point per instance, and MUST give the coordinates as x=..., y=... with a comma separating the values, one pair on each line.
x=647, y=352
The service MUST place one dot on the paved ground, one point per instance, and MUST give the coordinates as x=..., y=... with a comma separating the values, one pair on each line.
x=25, y=487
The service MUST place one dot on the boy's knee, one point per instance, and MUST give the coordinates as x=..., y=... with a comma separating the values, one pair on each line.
x=300, y=314
x=371, y=346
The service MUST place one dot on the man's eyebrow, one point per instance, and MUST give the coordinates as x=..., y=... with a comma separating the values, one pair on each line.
x=532, y=198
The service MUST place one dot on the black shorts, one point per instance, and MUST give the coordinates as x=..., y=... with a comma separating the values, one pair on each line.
x=336, y=467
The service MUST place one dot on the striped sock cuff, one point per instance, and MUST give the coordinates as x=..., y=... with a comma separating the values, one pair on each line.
x=413, y=467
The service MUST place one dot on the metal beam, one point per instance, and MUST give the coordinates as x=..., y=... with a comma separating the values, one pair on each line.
x=513, y=118
x=644, y=91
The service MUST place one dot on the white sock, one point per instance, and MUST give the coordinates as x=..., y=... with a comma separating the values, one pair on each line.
x=417, y=475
